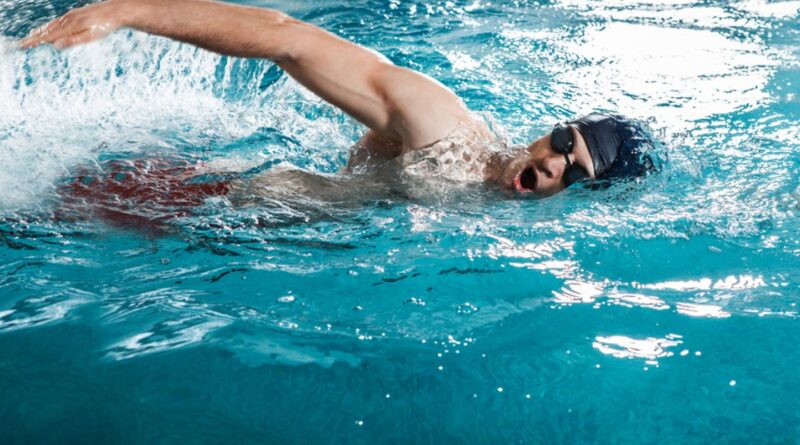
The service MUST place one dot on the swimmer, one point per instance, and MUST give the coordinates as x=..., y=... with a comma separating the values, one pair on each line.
x=413, y=121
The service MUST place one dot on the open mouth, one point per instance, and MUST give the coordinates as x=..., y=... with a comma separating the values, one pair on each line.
x=525, y=182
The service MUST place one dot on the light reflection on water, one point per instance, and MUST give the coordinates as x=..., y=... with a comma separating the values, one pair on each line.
x=650, y=348
x=36, y=311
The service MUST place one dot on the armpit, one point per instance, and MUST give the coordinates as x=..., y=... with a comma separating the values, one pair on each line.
x=372, y=149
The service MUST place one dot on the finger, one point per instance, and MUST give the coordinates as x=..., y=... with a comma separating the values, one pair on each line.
x=41, y=29
x=50, y=26
x=26, y=43
x=36, y=37
x=30, y=42
x=53, y=35
x=58, y=34
x=48, y=32
x=82, y=37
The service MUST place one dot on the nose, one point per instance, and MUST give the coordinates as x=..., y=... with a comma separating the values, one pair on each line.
x=551, y=169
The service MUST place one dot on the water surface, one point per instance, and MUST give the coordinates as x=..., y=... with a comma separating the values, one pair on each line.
x=660, y=311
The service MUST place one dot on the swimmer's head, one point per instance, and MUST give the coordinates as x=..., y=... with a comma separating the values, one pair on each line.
x=593, y=148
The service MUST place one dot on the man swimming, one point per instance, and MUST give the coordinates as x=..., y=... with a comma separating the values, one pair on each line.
x=414, y=121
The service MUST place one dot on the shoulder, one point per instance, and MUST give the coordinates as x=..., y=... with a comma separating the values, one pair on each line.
x=465, y=128
x=421, y=109
x=462, y=156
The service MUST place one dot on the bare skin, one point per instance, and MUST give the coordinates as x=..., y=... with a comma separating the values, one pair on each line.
x=403, y=109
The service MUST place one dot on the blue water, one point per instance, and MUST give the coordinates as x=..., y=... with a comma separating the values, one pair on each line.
x=664, y=311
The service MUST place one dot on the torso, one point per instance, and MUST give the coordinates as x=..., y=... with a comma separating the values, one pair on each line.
x=462, y=156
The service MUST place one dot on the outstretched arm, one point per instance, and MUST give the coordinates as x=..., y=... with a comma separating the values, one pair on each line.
x=396, y=102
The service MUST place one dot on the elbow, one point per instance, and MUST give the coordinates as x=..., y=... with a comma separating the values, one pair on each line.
x=280, y=38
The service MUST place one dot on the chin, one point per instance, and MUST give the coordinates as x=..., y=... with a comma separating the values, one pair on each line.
x=506, y=181
x=512, y=171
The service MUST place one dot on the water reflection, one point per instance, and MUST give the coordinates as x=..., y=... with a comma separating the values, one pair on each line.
x=577, y=292
x=731, y=282
x=678, y=75
x=702, y=310
x=649, y=348
x=637, y=300
x=164, y=336
x=37, y=311
x=770, y=9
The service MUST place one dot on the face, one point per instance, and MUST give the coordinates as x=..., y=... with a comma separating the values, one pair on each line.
x=539, y=170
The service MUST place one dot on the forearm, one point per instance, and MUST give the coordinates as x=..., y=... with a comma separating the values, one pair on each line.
x=397, y=103
x=220, y=27
x=336, y=69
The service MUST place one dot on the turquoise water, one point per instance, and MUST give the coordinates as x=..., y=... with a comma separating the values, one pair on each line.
x=664, y=311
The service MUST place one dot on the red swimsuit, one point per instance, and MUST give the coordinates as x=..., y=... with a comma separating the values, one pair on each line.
x=135, y=192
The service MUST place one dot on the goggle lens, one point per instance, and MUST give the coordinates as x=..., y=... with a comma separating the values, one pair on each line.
x=562, y=141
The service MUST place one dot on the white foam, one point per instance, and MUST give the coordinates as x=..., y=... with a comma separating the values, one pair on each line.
x=133, y=92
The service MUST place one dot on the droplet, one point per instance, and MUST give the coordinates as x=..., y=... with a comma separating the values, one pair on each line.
x=733, y=383
x=466, y=308
x=416, y=301
x=499, y=389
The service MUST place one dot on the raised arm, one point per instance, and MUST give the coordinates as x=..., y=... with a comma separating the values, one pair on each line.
x=396, y=102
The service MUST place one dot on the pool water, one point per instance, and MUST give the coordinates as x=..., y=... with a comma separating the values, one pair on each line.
x=659, y=311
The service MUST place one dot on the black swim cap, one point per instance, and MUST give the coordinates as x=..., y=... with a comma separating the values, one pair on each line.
x=619, y=147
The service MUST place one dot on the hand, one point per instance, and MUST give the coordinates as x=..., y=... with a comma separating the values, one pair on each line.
x=79, y=26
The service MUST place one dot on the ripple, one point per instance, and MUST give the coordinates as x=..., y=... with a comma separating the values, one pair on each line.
x=650, y=348
x=638, y=300
x=326, y=308
x=731, y=282
x=679, y=75
x=266, y=348
x=578, y=292
x=702, y=310
x=36, y=311
x=167, y=335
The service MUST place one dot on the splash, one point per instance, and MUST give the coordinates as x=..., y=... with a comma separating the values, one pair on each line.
x=136, y=94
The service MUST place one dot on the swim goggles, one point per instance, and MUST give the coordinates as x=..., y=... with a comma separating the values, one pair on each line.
x=562, y=140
